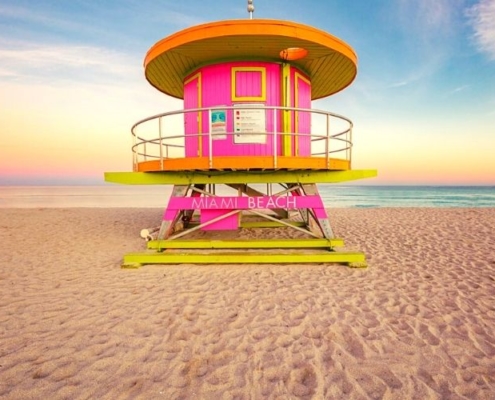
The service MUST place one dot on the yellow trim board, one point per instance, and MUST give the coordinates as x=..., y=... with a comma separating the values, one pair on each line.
x=245, y=244
x=134, y=260
x=286, y=115
x=221, y=177
x=200, y=102
x=242, y=163
x=297, y=77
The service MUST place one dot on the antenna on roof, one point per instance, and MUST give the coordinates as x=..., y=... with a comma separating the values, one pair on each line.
x=250, y=8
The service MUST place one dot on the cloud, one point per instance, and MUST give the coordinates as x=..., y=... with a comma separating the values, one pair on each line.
x=22, y=13
x=7, y=73
x=482, y=18
x=459, y=89
x=36, y=16
x=428, y=19
x=428, y=33
x=418, y=72
x=38, y=62
x=181, y=19
x=399, y=84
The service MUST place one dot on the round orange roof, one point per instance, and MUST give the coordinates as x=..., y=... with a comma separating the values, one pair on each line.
x=330, y=62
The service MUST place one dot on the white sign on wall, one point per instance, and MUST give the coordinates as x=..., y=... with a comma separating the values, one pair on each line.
x=218, y=124
x=249, y=124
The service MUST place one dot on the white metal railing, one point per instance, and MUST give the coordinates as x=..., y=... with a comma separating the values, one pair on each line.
x=162, y=136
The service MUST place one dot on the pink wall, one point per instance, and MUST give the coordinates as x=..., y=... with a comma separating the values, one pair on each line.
x=249, y=83
x=216, y=90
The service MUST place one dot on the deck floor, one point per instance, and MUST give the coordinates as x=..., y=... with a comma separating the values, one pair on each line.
x=246, y=163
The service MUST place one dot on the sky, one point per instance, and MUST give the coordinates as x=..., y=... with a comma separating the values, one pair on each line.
x=72, y=83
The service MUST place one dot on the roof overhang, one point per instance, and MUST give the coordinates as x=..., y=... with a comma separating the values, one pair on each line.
x=329, y=62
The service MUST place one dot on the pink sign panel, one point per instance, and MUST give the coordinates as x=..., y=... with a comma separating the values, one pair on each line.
x=227, y=223
x=244, y=203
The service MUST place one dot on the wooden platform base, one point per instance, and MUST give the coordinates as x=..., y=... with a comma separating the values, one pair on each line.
x=246, y=244
x=286, y=251
x=135, y=260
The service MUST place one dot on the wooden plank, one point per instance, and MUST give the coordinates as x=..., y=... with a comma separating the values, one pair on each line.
x=135, y=259
x=218, y=177
x=248, y=224
x=317, y=222
x=245, y=244
x=167, y=225
x=242, y=163
x=269, y=224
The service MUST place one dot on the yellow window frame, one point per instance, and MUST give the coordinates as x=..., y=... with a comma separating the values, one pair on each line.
x=234, y=71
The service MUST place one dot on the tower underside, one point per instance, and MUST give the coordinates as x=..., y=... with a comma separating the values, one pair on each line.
x=243, y=217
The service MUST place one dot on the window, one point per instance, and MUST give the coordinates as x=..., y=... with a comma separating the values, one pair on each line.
x=248, y=84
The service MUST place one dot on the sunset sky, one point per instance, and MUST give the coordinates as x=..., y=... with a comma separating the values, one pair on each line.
x=72, y=83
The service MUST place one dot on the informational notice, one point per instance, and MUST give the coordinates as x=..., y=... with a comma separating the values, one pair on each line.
x=249, y=125
x=218, y=124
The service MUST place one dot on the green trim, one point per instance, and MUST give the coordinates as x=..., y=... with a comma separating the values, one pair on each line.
x=269, y=224
x=218, y=177
x=258, y=224
x=245, y=244
x=134, y=260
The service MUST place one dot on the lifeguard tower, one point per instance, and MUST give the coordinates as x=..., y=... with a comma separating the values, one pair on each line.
x=247, y=150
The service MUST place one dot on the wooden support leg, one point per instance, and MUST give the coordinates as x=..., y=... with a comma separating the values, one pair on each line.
x=187, y=215
x=303, y=212
x=319, y=215
x=170, y=217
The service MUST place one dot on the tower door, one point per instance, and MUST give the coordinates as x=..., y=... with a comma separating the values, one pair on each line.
x=193, y=120
x=302, y=123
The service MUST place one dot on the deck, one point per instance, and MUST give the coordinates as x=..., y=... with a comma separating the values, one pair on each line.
x=246, y=163
x=160, y=143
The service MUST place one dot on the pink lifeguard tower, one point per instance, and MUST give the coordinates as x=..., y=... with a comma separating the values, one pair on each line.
x=247, y=150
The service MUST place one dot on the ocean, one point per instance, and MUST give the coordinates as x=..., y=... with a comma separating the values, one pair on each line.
x=332, y=195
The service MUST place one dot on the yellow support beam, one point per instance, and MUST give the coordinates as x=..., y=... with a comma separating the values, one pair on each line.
x=222, y=177
x=246, y=244
x=269, y=224
x=135, y=260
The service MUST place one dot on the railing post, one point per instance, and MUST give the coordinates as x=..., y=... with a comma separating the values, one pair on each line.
x=350, y=146
x=327, y=143
x=134, y=152
x=160, y=141
x=210, y=141
x=274, y=137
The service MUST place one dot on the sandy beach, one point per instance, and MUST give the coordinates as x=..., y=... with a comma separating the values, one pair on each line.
x=418, y=323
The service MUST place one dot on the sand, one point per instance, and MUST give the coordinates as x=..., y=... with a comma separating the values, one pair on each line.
x=418, y=323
